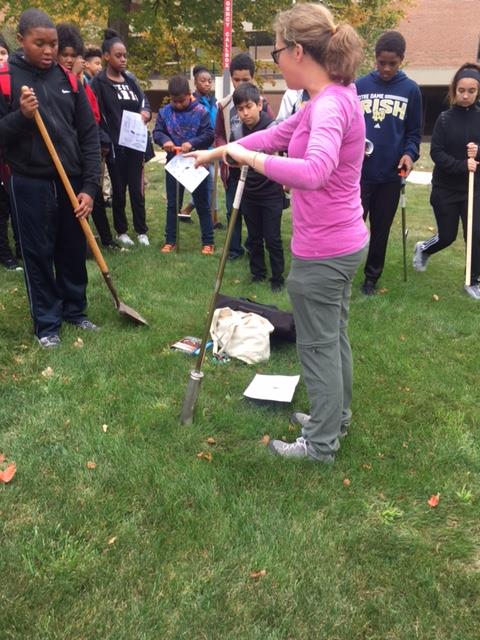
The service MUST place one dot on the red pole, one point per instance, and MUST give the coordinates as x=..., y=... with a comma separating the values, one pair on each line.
x=227, y=44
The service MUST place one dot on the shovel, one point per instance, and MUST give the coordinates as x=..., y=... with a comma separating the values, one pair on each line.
x=122, y=308
x=196, y=375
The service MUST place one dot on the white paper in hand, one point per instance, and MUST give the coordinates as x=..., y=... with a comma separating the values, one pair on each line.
x=273, y=388
x=183, y=170
x=133, y=131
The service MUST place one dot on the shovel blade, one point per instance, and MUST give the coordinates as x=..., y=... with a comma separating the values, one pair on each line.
x=131, y=314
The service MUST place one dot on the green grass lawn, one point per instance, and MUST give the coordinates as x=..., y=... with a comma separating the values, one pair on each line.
x=157, y=543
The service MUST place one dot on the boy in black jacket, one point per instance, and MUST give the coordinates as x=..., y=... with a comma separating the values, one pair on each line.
x=51, y=240
x=262, y=201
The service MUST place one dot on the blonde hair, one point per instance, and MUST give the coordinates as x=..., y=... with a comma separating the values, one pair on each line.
x=338, y=48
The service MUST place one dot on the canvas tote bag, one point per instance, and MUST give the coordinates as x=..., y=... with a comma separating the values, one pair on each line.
x=245, y=336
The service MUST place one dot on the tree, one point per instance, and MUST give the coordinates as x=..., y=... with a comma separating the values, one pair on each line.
x=169, y=36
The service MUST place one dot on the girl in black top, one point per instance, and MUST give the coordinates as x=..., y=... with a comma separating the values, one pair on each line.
x=117, y=91
x=51, y=240
x=455, y=151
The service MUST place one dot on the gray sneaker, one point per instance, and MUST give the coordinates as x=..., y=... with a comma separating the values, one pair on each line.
x=86, y=325
x=297, y=449
x=301, y=420
x=49, y=342
x=473, y=291
x=420, y=258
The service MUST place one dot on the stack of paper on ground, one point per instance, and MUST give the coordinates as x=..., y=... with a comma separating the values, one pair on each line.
x=272, y=388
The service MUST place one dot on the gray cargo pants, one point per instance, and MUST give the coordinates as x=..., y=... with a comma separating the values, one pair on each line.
x=320, y=294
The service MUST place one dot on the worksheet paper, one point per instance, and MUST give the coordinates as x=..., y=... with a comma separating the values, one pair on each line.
x=182, y=169
x=273, y=388
x=133, y=132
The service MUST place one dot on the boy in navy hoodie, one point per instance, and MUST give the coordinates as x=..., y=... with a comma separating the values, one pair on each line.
x=392, y=105
x=186, y=124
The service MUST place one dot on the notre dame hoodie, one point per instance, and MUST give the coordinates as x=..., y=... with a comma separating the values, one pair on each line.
x=393, y=119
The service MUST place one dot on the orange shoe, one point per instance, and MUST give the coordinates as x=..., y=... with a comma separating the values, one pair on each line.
x=208, y=250
x=168, y=248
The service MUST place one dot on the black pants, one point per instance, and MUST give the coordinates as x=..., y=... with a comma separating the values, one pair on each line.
x=380, y=202
x=53, y=249
x=99, y=217
x=449, y=208
x=263, y=219
x=126, y=170
x=5, y=251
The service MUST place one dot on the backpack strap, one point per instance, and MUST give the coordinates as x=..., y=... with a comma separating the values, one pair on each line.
x=71, y=77
x=5, y=81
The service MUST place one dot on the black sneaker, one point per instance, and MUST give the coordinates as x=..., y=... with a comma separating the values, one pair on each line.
x=111, y=245
x=276, y=286
x=258, y=278
x=369, y=288
x=11, y=265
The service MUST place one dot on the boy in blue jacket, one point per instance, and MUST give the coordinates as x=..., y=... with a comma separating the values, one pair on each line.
x=184, y=123
x=392, y=105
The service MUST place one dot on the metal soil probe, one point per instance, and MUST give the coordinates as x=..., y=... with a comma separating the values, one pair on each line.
x=196, y=374
x=122, y=308
x=403, y=200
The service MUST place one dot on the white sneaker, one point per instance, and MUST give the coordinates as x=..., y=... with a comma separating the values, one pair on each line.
x=143, y=239
x=473, y=291
x=125, y=239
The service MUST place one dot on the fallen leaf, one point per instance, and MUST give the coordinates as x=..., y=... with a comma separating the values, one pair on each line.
x=48, y=372
x=434, y=500
x=104, y=428
x=431, y=228
x=292, y=427
x=435, y=297
x=91, y=465
x=78, y=343
x=255, y=575
x=236, y=282
x=382, y=291
x=211, y=441
x=346, y=482
x=8, y=473
x=405, y=445
x=204, y=455
x=265, y=439
x=112, y=540
x=402, y=338
x=366, y=466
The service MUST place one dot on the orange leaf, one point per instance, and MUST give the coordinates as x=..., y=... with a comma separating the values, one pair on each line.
x=434, y=500
x=112, y=540
x=91, y=465
x=204, y=455
x=265, y=439
x=7, y=475
x=211, y=441
x=346, y=482
x=255, y=575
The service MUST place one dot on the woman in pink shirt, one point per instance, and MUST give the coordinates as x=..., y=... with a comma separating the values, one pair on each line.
x=325, y=142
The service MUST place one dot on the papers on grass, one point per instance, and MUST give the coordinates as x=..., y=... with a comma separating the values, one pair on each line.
x=133, y=131
x=273, y=388
x=190, y=345
x=182, y=169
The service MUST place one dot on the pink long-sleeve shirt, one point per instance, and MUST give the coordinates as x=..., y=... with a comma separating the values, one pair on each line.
x=326, y=147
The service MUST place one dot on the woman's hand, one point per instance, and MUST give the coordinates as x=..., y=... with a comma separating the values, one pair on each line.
x=202, y=158
x=472, y=150
x=85, y=206
x=235, y=151
x=472, y=164
x=28, y=104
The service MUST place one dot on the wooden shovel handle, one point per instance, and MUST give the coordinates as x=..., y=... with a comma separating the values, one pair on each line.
x=68, y=188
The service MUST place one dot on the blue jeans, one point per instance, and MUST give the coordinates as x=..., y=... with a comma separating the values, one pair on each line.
x=211, y=175
x=201, y=201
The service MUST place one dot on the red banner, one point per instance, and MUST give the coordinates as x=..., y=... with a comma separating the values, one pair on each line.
x=227, y=32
